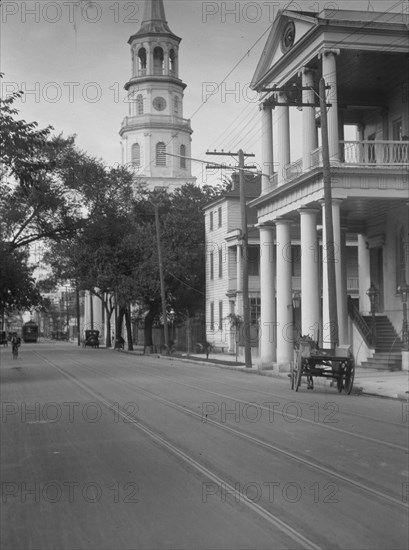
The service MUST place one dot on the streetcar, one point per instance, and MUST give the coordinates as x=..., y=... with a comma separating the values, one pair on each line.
x=30, y=332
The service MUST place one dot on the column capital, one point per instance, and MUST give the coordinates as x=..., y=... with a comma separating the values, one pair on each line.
x=336, y=201
x=328, y=51
x=308, y=210
x=265, y=225
x=283, y=221
x=306, y=70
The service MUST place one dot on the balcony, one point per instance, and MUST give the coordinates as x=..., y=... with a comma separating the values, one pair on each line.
x=368, y=154
x=150, y=120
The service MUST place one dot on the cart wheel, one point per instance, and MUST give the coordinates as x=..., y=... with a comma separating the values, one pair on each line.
x=349, y=376
x=298, y=373
x=341, y=376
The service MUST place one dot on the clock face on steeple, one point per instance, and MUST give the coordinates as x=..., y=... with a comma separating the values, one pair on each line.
x=159, y=103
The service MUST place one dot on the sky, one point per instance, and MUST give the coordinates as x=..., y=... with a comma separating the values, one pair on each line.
x=72, y=59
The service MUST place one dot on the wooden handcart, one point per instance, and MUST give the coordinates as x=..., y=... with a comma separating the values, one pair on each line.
x=309, y=362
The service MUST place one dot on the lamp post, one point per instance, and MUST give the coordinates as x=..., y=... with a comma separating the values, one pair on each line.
x=172, y=316
x=373, y=294
x=403, y=290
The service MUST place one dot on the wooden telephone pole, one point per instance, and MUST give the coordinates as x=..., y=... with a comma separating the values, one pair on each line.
x=161, y=277
x=329, y=227
x=244, y=240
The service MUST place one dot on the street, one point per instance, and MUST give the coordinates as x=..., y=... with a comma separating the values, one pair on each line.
x=108, y=450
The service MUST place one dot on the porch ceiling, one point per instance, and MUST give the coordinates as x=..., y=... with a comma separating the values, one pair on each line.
x=364, y=78
x=360, y=71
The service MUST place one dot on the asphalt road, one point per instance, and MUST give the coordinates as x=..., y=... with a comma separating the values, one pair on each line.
x=106, y=450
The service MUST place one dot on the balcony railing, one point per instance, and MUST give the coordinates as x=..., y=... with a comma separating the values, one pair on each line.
x=353, y=153
x=374, y=152
x=152, y=119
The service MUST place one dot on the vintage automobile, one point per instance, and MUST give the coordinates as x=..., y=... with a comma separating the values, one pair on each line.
x=91, y=339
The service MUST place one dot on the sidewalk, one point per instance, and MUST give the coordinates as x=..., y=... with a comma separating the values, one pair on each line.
x=367, y=381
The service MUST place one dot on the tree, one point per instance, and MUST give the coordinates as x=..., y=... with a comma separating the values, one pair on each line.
x=37, y=199
x=182, y=231
x=18, y=289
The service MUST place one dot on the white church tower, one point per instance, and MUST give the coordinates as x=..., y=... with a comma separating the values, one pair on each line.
x=156, y=139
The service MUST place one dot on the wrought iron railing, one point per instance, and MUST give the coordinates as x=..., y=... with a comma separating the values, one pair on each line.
x=364, y=330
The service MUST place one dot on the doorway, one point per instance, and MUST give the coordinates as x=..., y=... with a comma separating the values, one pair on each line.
x=376, y=271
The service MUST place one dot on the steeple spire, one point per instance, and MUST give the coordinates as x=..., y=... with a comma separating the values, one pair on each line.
x=154, y=20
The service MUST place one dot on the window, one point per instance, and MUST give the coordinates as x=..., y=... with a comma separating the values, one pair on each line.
x=211, y=221
x=296, y=260
x=139, y=104
x=211, y=265
x=176, y=105
x=397, y=130
x=158, y=61
x=160, y=154
x=136, y=154
x=220, y=216
x=220, y=262
x=142, y=62
x=255, y=310
x=254, y=261
x=220, y=315
x=182, y=156
x=211, y=316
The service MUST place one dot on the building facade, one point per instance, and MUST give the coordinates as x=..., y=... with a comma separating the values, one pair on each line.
x=363, y=58
x=224, y=298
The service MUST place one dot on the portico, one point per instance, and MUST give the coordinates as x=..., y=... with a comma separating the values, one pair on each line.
x=369, y=178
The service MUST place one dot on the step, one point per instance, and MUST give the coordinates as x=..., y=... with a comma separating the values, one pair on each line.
x=381, y=366
x=386, y=359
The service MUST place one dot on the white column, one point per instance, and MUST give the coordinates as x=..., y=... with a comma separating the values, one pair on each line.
x=267, y=287
x=329, y=72
x=341, y=298
x=310, y=135
x=310, y=281
x=149, y=59
x=285, y=328
x=267, y=157
x=283, y=123
x=364, y=274
x=166, y=63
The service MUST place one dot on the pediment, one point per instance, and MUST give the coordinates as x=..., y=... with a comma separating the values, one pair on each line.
x=287, y=31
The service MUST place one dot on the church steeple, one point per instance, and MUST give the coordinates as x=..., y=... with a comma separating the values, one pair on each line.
x=155, y=136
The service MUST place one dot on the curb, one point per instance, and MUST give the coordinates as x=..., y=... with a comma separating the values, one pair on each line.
x=356, y=390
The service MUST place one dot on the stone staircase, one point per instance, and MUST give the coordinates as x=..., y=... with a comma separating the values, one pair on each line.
x=388, y=348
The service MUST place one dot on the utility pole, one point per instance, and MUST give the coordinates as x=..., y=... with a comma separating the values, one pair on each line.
x=329, y=228
x=244, y=240
x=77, y=297
x=161, y=276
